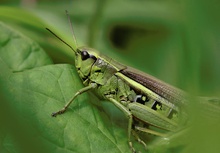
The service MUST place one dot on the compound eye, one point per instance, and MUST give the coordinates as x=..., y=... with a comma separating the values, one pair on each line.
x=85, y=55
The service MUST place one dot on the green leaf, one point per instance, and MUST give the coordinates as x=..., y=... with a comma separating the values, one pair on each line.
x=34, y=88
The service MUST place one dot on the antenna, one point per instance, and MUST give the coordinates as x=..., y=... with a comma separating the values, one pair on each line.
x=61, y=39
x=71, y=27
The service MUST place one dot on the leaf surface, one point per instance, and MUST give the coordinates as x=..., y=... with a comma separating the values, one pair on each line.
x=34, y=88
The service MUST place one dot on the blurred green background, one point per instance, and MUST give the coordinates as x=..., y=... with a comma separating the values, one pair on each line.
x=175, y=41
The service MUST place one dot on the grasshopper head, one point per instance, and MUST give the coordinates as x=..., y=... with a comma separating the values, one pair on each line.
x=84, y=60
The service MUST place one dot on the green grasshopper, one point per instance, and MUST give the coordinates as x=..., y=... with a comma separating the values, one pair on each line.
x=146, y=101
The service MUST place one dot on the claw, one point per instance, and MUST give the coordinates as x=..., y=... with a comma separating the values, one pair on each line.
x=58, y=112
x=138, y=139
x=54, y=114
x=142, y=142
x=132, y=148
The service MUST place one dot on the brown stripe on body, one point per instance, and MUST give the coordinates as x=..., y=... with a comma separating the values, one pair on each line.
x=164, y=90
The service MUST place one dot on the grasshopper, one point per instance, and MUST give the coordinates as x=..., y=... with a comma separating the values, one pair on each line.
x=146, y=101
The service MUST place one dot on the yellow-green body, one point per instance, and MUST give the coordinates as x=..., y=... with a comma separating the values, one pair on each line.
x=145, y=100
x=106, y=79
